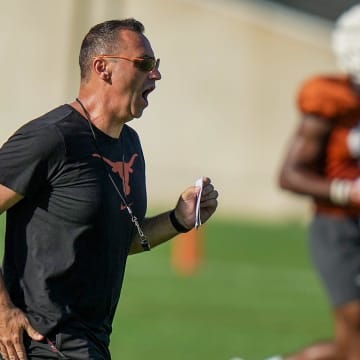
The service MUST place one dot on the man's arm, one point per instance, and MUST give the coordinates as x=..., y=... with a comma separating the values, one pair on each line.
x=12, y=320
x=159, y=229
x=301, y=173
x=8, y=198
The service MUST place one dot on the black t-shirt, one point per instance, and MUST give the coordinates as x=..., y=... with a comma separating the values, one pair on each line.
x=67, y=241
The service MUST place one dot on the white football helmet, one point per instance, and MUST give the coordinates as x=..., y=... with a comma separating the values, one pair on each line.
x=346, y=42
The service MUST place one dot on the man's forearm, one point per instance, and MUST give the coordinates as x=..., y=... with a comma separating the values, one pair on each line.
x=158, y=229
x=161, y=228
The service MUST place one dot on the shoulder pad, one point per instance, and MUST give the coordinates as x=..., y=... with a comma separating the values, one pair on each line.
x=327, y=97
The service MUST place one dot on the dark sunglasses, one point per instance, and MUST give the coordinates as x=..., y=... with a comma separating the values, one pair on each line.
x=144, y=64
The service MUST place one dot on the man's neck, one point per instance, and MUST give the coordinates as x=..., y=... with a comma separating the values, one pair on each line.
x=95, y=110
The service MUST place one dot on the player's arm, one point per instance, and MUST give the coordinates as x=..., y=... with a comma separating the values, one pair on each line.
x=159, y=229
x=300, y=172
x=12, y=320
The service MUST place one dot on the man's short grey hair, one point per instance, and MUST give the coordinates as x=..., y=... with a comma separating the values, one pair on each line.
x=103, y=38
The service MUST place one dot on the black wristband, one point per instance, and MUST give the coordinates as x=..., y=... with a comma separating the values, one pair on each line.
x=175, y=223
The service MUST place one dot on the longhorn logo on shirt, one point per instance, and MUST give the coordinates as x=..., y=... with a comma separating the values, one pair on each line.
x=123, y=169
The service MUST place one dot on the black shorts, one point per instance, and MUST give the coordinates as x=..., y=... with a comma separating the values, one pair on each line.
x=66, y=346
x=335, y=250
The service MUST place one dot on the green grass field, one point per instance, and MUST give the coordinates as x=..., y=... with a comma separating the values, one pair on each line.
x=255, y=295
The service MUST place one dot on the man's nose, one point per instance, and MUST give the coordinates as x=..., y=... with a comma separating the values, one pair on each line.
x=155, y=74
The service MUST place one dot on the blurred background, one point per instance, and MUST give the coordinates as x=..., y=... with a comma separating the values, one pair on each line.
x=225, y=108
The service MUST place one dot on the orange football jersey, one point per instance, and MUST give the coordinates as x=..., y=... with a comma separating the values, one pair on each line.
x=333, y=99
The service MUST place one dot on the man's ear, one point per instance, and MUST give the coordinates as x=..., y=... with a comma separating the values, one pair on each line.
x=102, y=70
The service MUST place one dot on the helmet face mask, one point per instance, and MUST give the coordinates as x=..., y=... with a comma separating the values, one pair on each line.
x=346, y=42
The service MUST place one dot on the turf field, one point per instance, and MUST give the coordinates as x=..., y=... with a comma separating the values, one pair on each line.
x=255, y=295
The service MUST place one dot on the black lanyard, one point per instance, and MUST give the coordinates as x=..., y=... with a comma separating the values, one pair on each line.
x=143, y=240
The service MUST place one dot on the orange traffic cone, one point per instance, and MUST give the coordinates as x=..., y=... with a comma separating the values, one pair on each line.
x=187, y=252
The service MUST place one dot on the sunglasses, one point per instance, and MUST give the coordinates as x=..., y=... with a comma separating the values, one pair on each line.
x=144, y=64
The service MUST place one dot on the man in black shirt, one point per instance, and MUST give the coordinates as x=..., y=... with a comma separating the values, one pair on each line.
x=73, y=185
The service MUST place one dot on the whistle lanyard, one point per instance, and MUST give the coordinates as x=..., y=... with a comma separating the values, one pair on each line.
x=144, y=242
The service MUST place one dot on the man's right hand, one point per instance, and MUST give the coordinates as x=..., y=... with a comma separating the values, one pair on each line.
x=13, y=323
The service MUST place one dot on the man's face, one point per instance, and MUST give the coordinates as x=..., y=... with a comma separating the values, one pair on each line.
x=131, y=86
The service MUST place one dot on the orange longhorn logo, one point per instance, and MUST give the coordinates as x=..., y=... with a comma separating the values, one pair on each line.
x=123, y=169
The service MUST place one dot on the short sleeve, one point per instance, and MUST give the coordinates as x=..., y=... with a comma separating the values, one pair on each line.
x=30, y=158
x=327, y=97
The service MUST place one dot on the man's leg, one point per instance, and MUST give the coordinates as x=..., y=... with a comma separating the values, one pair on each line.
x=346, y=345
x=318, y=351
x=335, y=250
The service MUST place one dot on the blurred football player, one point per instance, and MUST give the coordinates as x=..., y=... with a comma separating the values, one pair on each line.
x=323, y=163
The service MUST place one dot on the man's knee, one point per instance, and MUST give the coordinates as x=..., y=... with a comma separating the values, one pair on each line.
x=347, y=318
x=347, y=325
